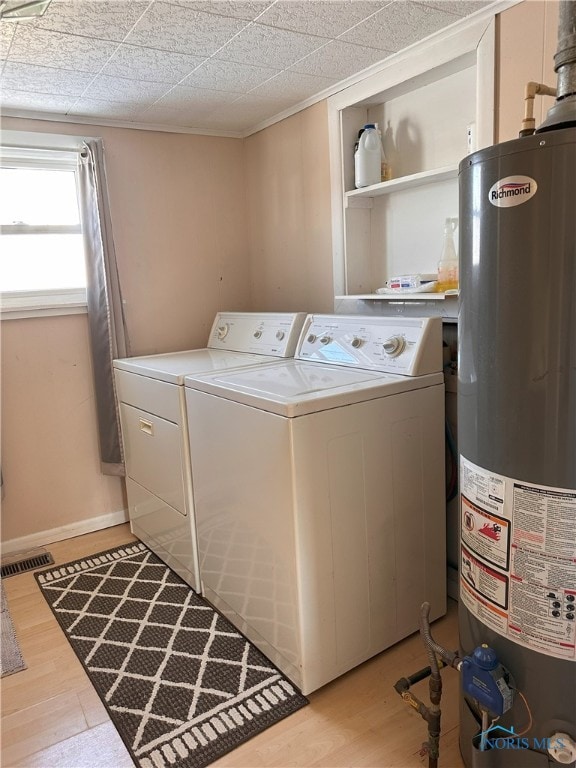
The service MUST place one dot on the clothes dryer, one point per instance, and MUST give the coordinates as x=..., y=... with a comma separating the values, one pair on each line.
x=319, y=492
x=150, y=393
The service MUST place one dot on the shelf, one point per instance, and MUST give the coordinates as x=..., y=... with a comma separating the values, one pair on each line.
x=404, y=182
x=399, y=296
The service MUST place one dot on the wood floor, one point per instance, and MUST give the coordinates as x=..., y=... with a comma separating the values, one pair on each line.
x=52, y=717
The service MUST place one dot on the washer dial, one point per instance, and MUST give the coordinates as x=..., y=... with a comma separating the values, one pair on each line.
x=394, y=346
x=222, y=331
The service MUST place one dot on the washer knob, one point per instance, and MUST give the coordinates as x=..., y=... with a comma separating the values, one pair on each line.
x=325, y=340
x=311, y=338
x=280, y=335
x=222, y=331
x=357, y=343
x=257, y=334
x=394, y=346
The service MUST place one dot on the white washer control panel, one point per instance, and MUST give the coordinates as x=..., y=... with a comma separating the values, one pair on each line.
x=409, y=346
x=264, y=333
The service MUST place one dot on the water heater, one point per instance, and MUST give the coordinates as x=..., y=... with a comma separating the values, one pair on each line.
x=517, y=433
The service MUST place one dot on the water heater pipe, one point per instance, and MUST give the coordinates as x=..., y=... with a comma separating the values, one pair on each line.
x=531, y=90
x=563, y=113
x=439, y=657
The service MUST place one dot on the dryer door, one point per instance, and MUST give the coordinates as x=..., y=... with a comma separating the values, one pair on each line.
x=153, y=454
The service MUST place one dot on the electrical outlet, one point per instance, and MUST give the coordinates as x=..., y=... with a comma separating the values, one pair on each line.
x=471, y=137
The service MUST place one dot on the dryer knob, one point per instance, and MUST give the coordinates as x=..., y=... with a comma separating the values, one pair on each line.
x=325, y=340
x=280, y=335
x=311, y=338
x=257, y=334
x=222, y=331
x=357, y=343
x=394, y=346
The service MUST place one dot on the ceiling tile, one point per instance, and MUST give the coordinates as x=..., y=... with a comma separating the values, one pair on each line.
x=458, y=7
x=106, y=88
x=136, y=63
x=59, y=50
x=262, y=45
x=238, y=9
x=338, y=60
x=228, y=76
x=221, y=64
x=43, y=102
x=112, y=110
x=190, y=115
x=104, y=19
x=293, y=85
x=28, y=77
x=326, y=18
x=181, y=29
x=6, y=34
x=398, y=25
x=182, y=95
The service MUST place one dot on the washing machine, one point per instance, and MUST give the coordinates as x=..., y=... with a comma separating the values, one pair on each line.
x=150, y=393
x=319, y=492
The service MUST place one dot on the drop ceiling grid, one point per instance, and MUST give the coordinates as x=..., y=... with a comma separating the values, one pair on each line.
x=223, y=65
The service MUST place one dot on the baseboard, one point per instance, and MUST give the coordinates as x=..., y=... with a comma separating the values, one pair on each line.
x=42, y=538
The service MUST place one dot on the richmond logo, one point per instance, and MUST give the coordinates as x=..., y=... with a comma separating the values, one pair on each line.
x=513, y=190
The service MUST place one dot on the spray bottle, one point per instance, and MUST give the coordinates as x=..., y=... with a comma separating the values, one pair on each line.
x=448, y=264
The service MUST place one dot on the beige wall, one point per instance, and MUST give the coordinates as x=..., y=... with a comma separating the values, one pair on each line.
x=527, y=38
x=290, y=238
x=179, y=223
x=50, y=454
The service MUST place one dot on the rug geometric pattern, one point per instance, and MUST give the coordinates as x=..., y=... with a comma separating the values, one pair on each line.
x=181, y=684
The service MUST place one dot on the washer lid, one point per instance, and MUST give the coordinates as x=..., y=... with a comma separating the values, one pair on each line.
x=295, y=388
x=173, y=366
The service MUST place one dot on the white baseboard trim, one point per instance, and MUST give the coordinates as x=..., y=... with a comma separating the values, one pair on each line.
x=42, y=538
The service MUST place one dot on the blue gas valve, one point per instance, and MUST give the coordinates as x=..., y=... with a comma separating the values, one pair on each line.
x=486, y=681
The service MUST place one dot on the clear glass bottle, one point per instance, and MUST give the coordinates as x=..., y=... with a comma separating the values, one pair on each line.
x=448, y=265
x=385, y=168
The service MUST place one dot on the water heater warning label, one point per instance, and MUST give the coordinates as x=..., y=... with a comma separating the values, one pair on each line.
x=518, y=559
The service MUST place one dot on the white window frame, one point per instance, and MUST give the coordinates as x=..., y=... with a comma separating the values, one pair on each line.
x=42, y=151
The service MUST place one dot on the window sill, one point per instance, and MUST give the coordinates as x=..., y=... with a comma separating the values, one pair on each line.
x=15, y=305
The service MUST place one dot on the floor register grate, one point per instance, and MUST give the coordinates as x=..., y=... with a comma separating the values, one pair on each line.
x=26, y=562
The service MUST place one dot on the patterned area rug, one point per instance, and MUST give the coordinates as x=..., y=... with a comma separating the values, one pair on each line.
x=180, y=683
x=11, y=658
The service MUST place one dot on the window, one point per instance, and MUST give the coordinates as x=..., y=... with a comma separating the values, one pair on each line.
x=42, y=252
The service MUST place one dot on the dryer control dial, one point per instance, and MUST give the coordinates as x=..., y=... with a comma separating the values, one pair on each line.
x=356, y=342
x=325, y=340
x=280, y=335
x=257, y=334
x=311, y=338
x=222, y=331
x=394, y=346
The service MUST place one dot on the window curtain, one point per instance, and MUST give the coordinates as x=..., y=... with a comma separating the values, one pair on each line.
x=107, y=326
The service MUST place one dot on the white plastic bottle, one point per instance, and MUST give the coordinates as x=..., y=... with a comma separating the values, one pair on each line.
x=448, y=264
x=367, y=158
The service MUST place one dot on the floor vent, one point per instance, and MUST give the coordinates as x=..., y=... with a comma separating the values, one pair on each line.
x=26, y=564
